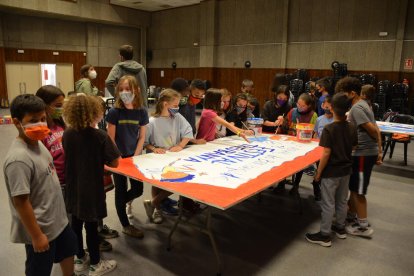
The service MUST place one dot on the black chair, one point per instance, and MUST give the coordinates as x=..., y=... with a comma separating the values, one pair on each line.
x=392, y=140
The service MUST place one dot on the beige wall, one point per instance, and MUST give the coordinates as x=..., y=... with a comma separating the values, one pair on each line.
x=101, y=42
x=171, y=37
x=317, y=33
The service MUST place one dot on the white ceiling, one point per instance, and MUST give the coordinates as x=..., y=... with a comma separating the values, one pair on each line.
x=153, y=5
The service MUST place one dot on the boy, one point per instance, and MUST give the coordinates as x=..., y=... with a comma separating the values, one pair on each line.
x=322, y=86
x=334, y=171
x=39, y=218
x=368, y=153
x=324, y=119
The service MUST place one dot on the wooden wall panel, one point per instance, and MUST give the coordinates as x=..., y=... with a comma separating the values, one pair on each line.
x=231, y=78
x=103, y=73
x=46, y=56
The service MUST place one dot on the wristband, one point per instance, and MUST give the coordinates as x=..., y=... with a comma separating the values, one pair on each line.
x=238, y=133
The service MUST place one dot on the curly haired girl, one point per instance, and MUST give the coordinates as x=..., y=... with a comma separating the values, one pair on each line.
x=87, y=150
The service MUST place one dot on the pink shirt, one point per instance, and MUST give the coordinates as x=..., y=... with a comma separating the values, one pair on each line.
x=54, y=144
x=207, y=127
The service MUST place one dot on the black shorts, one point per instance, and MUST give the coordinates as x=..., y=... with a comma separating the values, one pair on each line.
x=361, y=173
x=64, y=246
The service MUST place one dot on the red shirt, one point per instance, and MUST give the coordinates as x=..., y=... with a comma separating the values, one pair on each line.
x=207, y=127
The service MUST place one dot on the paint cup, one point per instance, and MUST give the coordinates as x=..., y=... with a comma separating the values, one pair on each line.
x=304, y=132
x=255, y=124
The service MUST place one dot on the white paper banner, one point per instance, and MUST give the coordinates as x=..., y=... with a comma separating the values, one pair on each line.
x=226, y=162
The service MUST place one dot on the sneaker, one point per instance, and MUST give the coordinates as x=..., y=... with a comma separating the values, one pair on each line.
x=105, y=245
x=149, y=209
x=169, y=202
x=356, y=230
x=351, y=220
x=318, y=238
x=169, y=210
x=129, y=210
x=157, y=217
x=340, y=232
x=132, y=231
x=101, y=268
x=108, y=233
x=310, y=170
x=82, y=263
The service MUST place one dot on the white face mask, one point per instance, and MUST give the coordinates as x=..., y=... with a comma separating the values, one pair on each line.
x=126, y=96
x=92, y=74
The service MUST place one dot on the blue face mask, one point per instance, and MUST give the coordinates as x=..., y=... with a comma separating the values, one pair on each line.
x=173, y=110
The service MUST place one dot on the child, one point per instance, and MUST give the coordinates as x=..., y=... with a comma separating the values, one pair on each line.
x=324, y=119
x=167, y=130
x=53, y=98
x=253, y=108
x=322, y=86
x=238, y=115
x=209, y=118
x=127, y=126
x=274, y=110
x=87, y=150
x=367, y=153
x=39, y=219
x=225, y=107
x=190, y=100
x=334, y=170
x=303, y=113
x=321, y=122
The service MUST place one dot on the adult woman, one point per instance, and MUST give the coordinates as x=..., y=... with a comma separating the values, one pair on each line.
x=84, y=84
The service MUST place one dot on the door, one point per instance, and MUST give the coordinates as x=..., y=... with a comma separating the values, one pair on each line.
x=64, y=77
x=22, y=78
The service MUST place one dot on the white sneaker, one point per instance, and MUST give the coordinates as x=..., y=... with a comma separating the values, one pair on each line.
x=129, y=210
x=101, y=268
x=356, y=230
x=157, y=217
x=81, y=264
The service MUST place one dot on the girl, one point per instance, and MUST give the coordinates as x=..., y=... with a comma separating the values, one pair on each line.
x=84, y=84
x=274, y=110
x=209, y=118
x=87, y=150
x=226, y=107
x=238, y=115
x=303, y=113
x=53, y=98
x=127, y=126
x=167, y=130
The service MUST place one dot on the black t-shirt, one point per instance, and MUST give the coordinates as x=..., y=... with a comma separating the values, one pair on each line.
x=271, y=112
x=127, y=123
x=237, y=119
x=340, y=137
x=86, y=152
x=189, y=113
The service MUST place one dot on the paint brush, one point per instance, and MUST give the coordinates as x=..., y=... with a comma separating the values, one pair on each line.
x=254, y=132
x=283, y=115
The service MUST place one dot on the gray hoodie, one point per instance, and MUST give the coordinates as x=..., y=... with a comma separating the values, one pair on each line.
x=128, y=67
